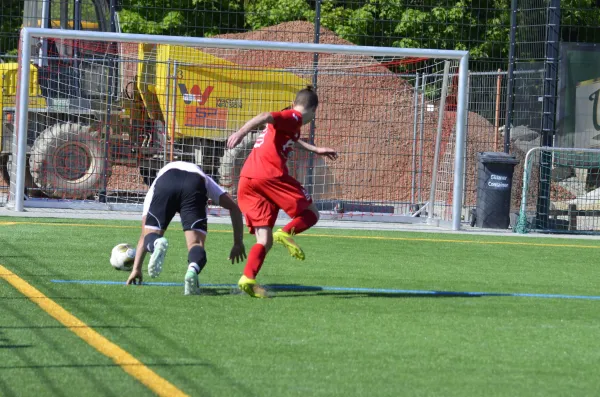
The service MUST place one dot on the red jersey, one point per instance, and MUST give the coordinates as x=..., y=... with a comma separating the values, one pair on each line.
x=273, y=146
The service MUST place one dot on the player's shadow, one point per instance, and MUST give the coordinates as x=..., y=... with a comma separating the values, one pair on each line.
x=25, y=298
x=63, y=327
x=114, y=365
x=5, y=343
x=216, y=291
x=348, y=293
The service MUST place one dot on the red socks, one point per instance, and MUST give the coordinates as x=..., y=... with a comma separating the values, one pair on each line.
x=256, y=257
x=302, y=222
x=257, y=253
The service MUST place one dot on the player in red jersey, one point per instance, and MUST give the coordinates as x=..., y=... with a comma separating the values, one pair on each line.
x=265, y=185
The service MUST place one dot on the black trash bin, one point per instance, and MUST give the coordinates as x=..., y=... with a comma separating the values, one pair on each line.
x=494, y=183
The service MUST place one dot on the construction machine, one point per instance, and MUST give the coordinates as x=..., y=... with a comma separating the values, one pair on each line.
x=94, y=105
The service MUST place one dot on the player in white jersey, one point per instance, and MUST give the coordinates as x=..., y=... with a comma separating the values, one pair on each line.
x=183, y=188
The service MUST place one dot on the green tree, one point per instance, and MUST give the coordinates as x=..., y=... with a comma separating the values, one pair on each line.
x=480, y=26
x=11, y=19
x=580, y=21
x=263, y=13
x=458, y=27
x=182, y=17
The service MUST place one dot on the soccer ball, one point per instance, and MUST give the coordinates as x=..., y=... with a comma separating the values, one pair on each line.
x=122, y=256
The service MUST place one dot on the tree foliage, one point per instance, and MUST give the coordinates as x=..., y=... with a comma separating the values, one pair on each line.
x=182, y=17
x=10, y=22
x=480, y=26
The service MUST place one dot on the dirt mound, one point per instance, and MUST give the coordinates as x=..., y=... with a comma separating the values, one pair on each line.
x=125, y=178
x=368, y=115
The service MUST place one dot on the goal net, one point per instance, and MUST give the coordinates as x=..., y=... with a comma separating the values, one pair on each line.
x=560, y=192
x=104, y=112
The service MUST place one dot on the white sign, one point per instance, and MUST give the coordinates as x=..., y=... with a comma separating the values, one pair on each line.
x=498, y=182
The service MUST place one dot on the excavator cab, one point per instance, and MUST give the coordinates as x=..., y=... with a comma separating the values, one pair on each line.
x=73, y=86
x=72, y=74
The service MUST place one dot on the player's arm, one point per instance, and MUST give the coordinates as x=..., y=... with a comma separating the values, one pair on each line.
x=323, y=151
x=253, y=123
x=223, y=199
x=237, y=221
x=135, y=277
x=238, y=251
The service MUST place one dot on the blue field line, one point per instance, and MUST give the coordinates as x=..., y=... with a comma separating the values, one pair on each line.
x=382, y=291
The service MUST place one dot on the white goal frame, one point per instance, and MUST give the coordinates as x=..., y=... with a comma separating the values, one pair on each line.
x=521, y=225
x=18, y=184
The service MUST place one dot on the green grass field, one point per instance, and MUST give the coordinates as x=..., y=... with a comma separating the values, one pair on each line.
x=306, y=342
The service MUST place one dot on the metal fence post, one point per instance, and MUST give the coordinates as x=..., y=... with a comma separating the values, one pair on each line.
x=414, y=143
x=311, y=138
x=511, y=74
x=421, y=142
x=549, y=110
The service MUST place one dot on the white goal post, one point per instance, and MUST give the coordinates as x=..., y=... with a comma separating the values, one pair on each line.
x=456, y=163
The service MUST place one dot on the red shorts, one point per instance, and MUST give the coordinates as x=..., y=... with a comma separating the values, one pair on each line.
x=261, y=199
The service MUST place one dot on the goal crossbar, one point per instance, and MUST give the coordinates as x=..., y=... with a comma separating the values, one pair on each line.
x=27, y=34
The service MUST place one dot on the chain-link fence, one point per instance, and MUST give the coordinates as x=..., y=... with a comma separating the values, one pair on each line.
x=514, y=71
x=479, y=26
x=553, y=63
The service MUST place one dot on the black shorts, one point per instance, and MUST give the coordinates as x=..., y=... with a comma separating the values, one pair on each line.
x=177, y=191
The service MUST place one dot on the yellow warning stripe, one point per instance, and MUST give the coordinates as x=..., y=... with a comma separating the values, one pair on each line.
x=126, y=361
x=339, y=236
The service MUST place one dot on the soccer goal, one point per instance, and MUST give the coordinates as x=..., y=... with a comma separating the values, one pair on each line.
x=560, y=191
x=98, y=114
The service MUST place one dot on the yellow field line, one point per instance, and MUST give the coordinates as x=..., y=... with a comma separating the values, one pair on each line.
x=340, y=236
x=126, y=361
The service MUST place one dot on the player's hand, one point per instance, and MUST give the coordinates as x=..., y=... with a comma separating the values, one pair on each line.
x=135, y=277
x=327, y=152
x=234, y=140
x=238, y=253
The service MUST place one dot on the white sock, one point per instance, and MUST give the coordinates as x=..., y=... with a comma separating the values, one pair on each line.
x=194, y=266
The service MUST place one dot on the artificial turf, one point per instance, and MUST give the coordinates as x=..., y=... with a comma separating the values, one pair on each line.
x=307, y=341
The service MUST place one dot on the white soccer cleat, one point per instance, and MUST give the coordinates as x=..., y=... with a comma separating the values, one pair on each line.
x=191, y=286
x=158, y=257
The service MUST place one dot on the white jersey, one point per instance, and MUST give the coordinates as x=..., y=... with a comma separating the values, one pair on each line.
x=213, y=190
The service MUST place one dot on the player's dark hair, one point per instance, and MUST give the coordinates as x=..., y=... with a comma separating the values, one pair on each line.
x=307, y=97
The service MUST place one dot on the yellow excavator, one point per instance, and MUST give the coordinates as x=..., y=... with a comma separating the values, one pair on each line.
x=93, y=105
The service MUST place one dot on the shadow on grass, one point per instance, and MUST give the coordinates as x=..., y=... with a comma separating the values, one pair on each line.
x=50, y=366
x=306, y=290
x=76, y=298
x=216, y=291
x=63, y=327
x=154, y=332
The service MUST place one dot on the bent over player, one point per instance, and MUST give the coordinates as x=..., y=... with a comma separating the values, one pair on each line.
x=183, y=187
x=265, y=185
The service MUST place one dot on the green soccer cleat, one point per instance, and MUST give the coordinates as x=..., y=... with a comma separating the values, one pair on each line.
x=157, y=259
x=286, y=239
x=191, y=286
x=250, y=287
